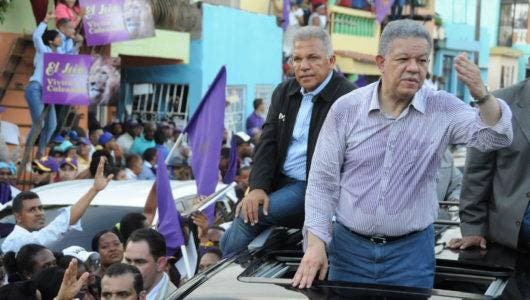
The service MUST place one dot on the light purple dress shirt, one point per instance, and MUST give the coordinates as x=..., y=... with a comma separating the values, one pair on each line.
x=377, y=174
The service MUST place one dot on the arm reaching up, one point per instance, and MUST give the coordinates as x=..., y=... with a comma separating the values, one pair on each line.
x=100, y=183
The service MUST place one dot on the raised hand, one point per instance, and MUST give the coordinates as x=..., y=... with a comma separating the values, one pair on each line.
x=100, y=181
x=71, y=286
x=469, y=74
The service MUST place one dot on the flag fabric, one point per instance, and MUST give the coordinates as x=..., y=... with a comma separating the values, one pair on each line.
x=382, y=9
x=285, y=13
x=205, y=132
x=230, y=175
x=168, y=215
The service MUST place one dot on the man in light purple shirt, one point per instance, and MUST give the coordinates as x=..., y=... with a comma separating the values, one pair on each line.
x=255, y=120
x=375, y=164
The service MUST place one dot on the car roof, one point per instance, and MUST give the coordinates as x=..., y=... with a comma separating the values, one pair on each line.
x=132, y=193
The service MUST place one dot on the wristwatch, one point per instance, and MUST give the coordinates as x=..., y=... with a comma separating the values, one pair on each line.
x=482, y=99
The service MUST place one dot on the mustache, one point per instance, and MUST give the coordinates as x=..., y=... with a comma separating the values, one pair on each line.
x=410, y=78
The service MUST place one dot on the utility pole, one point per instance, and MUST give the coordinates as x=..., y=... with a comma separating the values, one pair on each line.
x=477, y=30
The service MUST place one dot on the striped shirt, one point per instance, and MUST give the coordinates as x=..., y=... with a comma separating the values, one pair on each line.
x=377, y=174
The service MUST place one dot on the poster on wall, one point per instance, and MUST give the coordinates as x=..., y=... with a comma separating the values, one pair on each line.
x=108, y=21
x=65, y=79
x=80, y=79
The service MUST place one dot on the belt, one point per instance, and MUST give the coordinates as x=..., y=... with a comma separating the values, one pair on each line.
x=380, y=239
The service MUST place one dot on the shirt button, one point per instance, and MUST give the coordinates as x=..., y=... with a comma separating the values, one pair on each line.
x=518, y=223
x=528, y=195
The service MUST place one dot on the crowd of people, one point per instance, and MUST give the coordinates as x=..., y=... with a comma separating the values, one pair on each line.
x=361, y=171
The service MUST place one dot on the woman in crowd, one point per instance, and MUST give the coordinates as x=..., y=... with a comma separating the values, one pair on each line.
x=110, y=249
x=45, y=41
x=69, y=9
x=29, y=260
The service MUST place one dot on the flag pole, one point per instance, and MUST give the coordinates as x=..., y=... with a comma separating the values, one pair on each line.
x=175, y=146
x=186, y=260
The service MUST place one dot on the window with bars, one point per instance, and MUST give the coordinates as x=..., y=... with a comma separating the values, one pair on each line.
x=153, y=102
x=513, y=23
x=235, y=109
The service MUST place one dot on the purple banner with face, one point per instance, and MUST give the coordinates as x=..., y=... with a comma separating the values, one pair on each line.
x=65, y=79
x=108, y=21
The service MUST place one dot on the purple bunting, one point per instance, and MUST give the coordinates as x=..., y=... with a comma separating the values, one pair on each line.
x=382, y=9
x=285, y=14
x=205, y=132
x=168, y=215
x=66, y=79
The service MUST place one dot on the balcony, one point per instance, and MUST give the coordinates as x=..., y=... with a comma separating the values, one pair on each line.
x=355, y=38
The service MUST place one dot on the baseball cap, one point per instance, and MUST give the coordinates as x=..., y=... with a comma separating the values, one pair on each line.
x=58, y=139
x=74, y=137
x=46, y=164
x=83, y=140
x=79, y=252
x=105, y=138
x=241, y=138
x=64, y=146
x=69, y=161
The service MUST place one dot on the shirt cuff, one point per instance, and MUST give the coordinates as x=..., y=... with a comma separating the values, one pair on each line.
x=503, y=126
x=77, y=226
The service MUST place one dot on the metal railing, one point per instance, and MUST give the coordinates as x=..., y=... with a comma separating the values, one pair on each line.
x=153, y=102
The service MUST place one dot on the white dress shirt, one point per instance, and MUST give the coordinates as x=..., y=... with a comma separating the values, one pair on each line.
x=46, y=236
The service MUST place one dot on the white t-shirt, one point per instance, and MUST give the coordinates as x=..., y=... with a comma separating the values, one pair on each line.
x=294, y=15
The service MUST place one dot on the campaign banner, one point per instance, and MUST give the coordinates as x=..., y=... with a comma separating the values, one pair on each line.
x=65, y=79
x=108, y=21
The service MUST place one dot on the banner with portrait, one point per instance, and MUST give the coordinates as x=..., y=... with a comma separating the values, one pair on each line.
x=108, y=21
x=80, y=79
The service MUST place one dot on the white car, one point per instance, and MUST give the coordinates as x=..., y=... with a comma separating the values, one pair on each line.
x=110, y=205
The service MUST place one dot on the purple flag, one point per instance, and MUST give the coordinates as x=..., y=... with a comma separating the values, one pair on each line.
x=232, y=164
x=285, y=13
x=66, y=79
x=168, y=215
x=382, y=9
x=108, y=21
x=205, y=132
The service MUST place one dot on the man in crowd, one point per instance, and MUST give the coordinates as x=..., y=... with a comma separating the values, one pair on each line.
x=255, y=120
x=244, y=149
x=494, y=204
x=134, y=165
x=71, y=42
x=375, y=164
x=122, y=281
x=283, y=157
x=146, y=250
x=144, y=141
x=133, y=129
x=30, y=217
x=149, y=165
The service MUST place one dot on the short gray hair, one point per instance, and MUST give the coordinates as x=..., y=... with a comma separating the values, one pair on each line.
x=402, y=29
x=314, y=32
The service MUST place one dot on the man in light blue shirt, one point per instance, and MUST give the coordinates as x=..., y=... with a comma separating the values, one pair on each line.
x=283, y=156
x=45, y=41
x=71, y=42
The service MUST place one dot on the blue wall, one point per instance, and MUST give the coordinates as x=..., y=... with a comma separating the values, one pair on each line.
x=459, y=24
x=248, y=44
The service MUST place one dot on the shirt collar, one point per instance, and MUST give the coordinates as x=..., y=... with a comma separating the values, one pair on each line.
x=319, y=88
x=158, y=287
x=418, y=101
